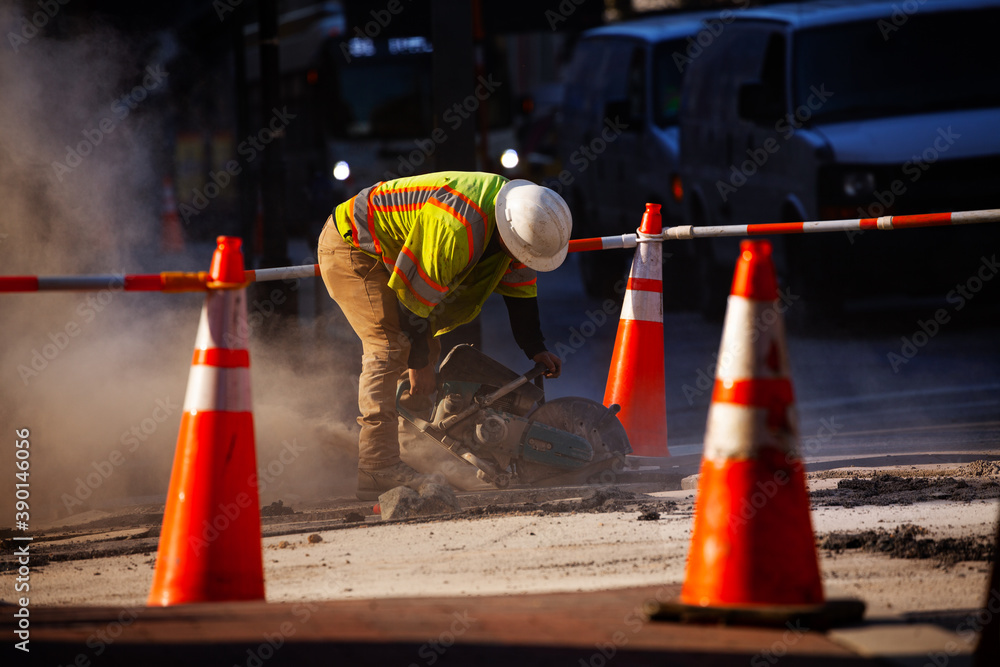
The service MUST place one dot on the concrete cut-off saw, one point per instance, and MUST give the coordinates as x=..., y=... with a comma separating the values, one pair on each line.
x=489, y=427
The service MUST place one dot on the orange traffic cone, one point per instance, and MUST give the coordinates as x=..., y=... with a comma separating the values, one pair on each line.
x=171, y=233
x=753, y=557
x=210, y=544
x=753, y=539
x=636, y=379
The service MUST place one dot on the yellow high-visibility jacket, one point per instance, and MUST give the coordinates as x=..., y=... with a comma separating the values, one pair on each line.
x=431, y=232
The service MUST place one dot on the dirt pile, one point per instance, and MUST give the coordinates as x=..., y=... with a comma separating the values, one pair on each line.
x=610, y=499
x=980, y=469
x=907, y=541
x=886, y=489
x=277, y=508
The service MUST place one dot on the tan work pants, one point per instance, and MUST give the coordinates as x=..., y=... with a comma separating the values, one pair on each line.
x=359, y=285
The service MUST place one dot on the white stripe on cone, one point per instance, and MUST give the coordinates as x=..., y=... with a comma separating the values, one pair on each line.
x=223, y=325
x=738, y=432
x=645, y=305
x=648, y=261
x=752, y=348
x=212, y=389
x=223, y=321
x=642, y=305
x=751, y=329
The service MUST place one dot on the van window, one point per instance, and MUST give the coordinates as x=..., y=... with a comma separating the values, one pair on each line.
x=667, y=79
x=772, y=75
x=936, y=61
x=738, y=58
x=597, y=75
x=613, y=73
x=635, y=93
x=586, y=60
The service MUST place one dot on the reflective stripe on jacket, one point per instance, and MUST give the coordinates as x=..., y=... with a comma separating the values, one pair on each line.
x=431, y=231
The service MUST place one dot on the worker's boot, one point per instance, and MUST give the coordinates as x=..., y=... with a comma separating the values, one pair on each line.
x=373, y=483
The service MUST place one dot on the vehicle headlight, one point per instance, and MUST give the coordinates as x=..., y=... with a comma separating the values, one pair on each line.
x=341, y=171
x=859, y=184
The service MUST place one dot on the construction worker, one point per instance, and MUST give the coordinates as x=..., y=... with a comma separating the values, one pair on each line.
x=413, y=258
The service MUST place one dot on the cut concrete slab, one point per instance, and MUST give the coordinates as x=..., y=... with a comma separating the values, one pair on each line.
x=690, y=483
x=403, y=502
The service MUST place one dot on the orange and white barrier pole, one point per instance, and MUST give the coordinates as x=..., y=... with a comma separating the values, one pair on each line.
x=636, y=378
x=885, y=223
x=604, y=243
x=194, y=282
x=210, y=544
x=282, y=273
x=168, y=281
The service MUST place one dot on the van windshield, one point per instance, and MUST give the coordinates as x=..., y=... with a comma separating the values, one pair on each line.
x=938, y=61
x=668, y=67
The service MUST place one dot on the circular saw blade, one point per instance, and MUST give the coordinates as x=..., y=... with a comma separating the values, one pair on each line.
x=584, y=418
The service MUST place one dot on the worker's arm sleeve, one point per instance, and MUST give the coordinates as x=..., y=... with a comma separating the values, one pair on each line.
x=416, y=329
x=525, y=324
x=519, y=281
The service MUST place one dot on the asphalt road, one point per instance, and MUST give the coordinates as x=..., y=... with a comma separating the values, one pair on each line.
x=888, y=376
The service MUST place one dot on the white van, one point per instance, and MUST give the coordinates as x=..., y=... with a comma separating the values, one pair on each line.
x=840, y=110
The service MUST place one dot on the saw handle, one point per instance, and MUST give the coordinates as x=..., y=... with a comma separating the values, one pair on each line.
x=486, y=401
x=536, y=372
x=540, y=383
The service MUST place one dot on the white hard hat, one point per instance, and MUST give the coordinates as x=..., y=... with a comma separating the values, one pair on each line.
x=534, y=223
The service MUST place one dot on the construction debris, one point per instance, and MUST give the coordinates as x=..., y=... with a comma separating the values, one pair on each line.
x=403, y=502
x=889, y=489
x=906, y=541
x=277, y=508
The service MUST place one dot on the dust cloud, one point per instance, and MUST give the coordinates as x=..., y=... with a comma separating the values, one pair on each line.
x=98, y=379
